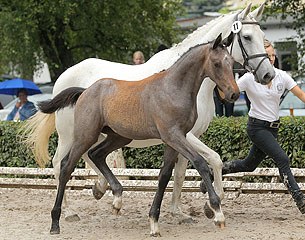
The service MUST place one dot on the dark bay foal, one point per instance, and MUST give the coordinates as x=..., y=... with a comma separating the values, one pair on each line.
x=162, y=106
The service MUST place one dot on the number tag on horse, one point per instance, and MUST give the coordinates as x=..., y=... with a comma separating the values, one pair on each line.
x=236, y=26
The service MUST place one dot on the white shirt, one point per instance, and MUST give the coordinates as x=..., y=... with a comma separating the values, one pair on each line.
x=265, y=101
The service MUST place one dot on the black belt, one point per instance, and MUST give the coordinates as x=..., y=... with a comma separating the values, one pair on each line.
x=275, y=124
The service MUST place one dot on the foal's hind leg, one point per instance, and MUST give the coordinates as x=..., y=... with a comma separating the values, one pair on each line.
x=98, y=156
x=67, y=166
x=100, y=186
x=165, y=174
x=115, y=159
x=62, y=150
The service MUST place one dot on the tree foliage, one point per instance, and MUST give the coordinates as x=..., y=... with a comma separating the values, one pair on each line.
x=63, y=33
x=198, y=7
x=296, y=9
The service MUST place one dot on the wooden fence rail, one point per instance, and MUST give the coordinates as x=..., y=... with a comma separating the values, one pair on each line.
x=260, y=180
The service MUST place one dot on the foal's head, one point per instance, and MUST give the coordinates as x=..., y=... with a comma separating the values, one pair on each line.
x=219, y=67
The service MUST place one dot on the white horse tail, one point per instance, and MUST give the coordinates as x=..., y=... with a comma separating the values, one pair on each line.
x=37, y=131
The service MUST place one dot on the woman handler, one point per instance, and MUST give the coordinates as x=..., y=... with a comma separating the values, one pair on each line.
x=263, y=125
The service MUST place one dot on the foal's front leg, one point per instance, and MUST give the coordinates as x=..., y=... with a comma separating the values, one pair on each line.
x=214, y=161
x=165, y=174
x=180, y=144
x=212, y=158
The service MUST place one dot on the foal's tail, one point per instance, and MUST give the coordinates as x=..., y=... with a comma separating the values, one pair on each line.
x=67, y=97
x=38, y=129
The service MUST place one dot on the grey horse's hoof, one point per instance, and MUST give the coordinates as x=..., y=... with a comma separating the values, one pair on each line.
x=116, y=212
x=155, y=234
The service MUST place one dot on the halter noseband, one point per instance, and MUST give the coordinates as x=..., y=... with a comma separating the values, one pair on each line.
x=244, y=53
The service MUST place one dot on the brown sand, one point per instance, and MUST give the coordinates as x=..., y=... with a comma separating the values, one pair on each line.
x=25, y=214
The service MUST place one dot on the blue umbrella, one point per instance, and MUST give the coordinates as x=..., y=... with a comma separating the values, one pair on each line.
x=11, y=87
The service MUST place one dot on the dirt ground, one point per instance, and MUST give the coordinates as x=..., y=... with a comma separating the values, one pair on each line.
x=25, y=214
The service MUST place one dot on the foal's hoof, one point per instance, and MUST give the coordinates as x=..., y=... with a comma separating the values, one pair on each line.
x=208, y=211
x=221, y=225
x=54, y=231
x=96, y=191
x=203, y=188
x=72, y=218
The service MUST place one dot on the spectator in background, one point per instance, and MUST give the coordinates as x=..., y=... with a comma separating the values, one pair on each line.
x=222, y=108
x=23, y=108
x=138, y=58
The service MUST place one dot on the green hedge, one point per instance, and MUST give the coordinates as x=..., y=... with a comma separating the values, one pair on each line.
x=14, y=153
x=227, y=136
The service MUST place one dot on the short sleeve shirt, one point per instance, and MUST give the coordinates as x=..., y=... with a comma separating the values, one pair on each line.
x=265, y=101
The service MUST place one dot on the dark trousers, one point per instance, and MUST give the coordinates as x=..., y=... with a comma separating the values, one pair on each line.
x=223, y=109
x=264, y=139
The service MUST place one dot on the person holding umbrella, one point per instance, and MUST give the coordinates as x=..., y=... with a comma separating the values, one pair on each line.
x=23, y=108
x=21, y=88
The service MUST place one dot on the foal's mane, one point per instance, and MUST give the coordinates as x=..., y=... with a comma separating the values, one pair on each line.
x=185, y=54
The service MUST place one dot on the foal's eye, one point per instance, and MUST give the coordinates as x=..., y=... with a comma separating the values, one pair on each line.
x=248, y=38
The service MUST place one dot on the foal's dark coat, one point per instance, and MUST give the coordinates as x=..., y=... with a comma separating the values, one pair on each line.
x=162, y=106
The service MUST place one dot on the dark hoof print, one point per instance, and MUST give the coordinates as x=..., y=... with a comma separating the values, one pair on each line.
x=187, y=221
x=72, y=218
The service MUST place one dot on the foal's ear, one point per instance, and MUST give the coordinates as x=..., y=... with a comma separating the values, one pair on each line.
x=228, y=40
x=217, y=41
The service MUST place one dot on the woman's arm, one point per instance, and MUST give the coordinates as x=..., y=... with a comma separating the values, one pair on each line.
x=297, y=91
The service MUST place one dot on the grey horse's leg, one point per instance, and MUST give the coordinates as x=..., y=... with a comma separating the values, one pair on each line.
x=179, y=176
x=170, y=156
